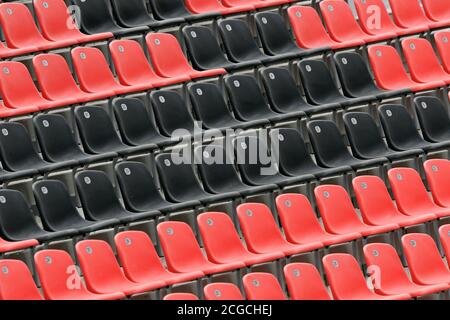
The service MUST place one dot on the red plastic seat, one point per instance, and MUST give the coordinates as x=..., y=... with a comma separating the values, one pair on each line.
x=411, y=195
x=262, y=234
x=389, y=276
x=222, y=291
x=442, y=41
x=169, y=60
x=183, y=254
x=338, y=214
x=423, y=63
x=377, y=207
x=304, y=282
x=342, y=26
x=300, y=223
x=60, y=279
x=7, y=246
x=217, y=229
x=262, y=286
x=141, y=263
x=438, y=178
x=16, y=282
x=437, y=10
x=180, y=297
x=103, y=274
x=347, y=282
x=390, y=73
x=205, y=6
x=255, y=3
x=408, y=13
x=57, y=83
x=444, y=235
x=21, y=31
x=57, y=25
x=424, y=260
x=133, y=68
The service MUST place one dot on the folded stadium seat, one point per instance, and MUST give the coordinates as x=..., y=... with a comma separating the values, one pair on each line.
x=429, y=270
x=139, y=191
x=20, y=30
x=239, y=42
x=57, y=83
x=407, y=13
x=169, y=60
x=294, y=159
x=99, y=200
x=256, y=169
x=57, y=143
x=437, y=10
x=205, y=52
x=217, y=229
x=205, y=6
x=377, y=208
x=94, y=74
x=401, y=132
x=366, y=140
x=262, y=286
x=438, y=174
x=96, y=17
x=433, y=118
x=347, y=282
x=172, y=114
x=54, y=267
x=141, y=262
x=7, y=246
x=219, y=175
x=102, y=272
x=262, y=234
x=330, y=150
x=135, y=124
x=300, y=223
x=411, y=195
x=57, y=25
x=180, y=297
x=18, y=223
x=58, y=213
x=390, y=74
x=391, y=278
x=189, y=187
x=17, y=152
x=320, y=87
x=222, y=291
x=356, y=79
x=304, y=18
x=6, y=52
x=342, y=25
x=423, y=63
x=16, y=281
x=442, y=43
x=172, y=9
x=212, y=110
x=249, y=103
x=444, y=235
x=304, y=282
x=98, y=134
x=284, y=96
x=182, y=251
x=133, y=68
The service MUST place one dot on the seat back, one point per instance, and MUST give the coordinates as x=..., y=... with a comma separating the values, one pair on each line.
x=438, y=178
x=304, y=282
x=441, y=39
x=131, y=12
x=444, y=235
x=262, y=286
x=433, y=118
x=366, y=9
x=222, y=291
x=436, y=9
x=167, y=9
x=94, y=15
x=407, y=13
x=16, y=281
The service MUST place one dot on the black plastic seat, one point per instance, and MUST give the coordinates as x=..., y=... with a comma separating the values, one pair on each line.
x=356, y=79
x=139, y=191
x=172, y=114
x=58, y=213
x=320, y=87
x=180, y=183
x=96, y=17
x=135, y=124
x=17, y=222
x=366, y=140
x=284, y=95
x=219, y=174
x=58, y=143
x=134, y=13
x=239, y=42
x=293, y=157
x=248, y=100
x=18, y=154
x=98, y=134
x=401, y=132
x=205, y=52
x=433, y=118
x=172, y=9
x=330, y=150
x=100, y=202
